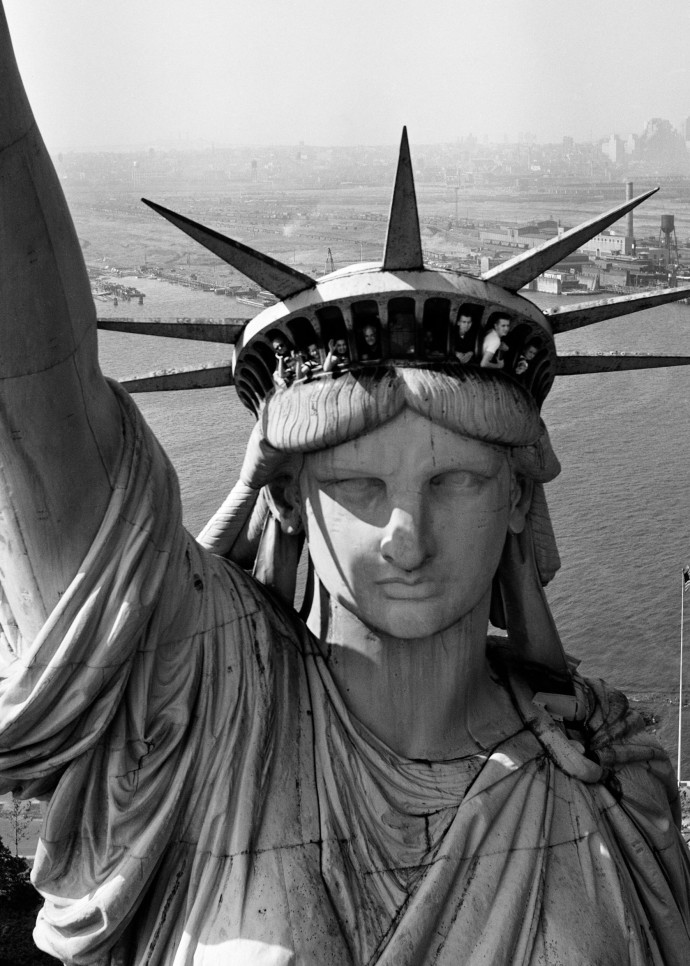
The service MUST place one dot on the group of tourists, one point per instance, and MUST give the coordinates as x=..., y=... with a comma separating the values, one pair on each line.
x=488, y=346
x=491, y=347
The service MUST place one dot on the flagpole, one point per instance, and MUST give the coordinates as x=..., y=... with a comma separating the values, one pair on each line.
x=680, y=682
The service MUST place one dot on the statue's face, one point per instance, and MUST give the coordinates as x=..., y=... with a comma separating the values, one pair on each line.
x=406, y=525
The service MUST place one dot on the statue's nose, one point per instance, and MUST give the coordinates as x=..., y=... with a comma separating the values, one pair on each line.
x=406, y=541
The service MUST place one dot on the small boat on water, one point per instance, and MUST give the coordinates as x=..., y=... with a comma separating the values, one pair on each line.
x=250, y=301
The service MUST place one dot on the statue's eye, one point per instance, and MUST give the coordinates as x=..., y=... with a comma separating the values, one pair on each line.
x=458, y=480
x=356, y=489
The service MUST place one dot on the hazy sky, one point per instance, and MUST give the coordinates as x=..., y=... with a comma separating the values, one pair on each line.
x=135, y=72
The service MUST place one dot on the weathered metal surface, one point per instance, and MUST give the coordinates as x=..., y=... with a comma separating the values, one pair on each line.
x=227, y=331
x=183, y=377
x=576, y=364
x=267, y=272
x=403, y=241
x=564, y=318
x=518, y=271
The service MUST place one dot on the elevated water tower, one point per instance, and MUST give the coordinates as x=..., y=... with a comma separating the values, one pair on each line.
x=669, y=242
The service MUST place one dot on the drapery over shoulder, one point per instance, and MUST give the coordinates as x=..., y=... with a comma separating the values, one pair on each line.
x=59, y=696
x=157, y=655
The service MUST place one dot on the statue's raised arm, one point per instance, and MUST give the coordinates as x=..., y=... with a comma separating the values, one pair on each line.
x=59, y=421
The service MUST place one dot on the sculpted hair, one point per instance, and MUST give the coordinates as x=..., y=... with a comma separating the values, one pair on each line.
x=315, y=415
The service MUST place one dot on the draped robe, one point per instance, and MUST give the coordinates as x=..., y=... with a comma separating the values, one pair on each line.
x=211, y=801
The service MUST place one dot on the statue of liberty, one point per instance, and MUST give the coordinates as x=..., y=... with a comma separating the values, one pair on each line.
x=372, y=780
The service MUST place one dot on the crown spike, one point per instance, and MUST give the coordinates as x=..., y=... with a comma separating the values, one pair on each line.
x=581, y=364
x=403, y=250
x=566, y=318
x=270, y=274
x=209, y=376
x=226, y=331
x=518, y=271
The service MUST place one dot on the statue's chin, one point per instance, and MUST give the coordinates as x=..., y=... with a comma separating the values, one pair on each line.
x=406, y=618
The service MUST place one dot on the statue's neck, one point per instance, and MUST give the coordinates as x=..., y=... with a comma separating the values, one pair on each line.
x=431, y=698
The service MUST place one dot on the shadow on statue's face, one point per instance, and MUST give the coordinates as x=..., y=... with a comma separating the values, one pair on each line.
x=406, y=525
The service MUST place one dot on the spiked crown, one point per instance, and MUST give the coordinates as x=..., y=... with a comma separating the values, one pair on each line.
x=410, y=309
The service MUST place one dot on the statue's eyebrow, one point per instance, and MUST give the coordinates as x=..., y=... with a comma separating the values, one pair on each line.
x=484, y=465
x=485, y=462
x=327, y=462
x=335, y=465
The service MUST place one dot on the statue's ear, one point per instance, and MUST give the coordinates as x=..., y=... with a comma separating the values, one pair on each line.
x=520, y=502
x=285, y=501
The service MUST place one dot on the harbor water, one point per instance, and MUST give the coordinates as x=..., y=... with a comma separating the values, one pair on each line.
x=620, y=508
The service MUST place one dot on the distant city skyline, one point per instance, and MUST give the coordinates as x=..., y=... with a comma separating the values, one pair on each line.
x=131, y=73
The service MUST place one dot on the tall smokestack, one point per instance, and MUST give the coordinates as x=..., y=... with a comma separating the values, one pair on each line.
x=629, y=222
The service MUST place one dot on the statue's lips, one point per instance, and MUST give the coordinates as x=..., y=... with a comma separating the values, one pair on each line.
x=401, y=588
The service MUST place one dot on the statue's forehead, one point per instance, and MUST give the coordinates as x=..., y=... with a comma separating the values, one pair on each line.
x=409, y=438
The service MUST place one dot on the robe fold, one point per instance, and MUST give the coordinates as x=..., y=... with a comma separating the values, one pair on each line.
x=211, y=801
